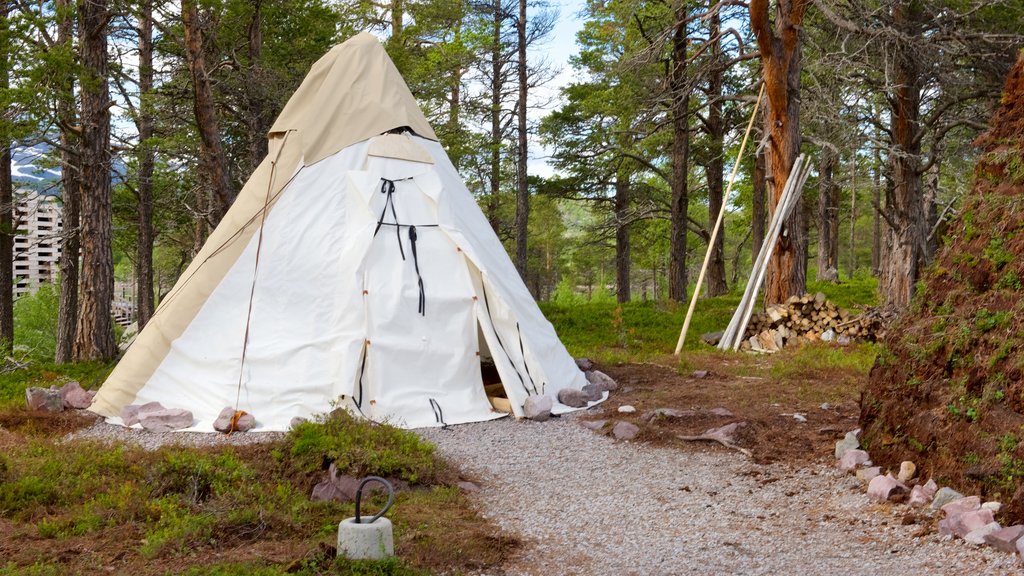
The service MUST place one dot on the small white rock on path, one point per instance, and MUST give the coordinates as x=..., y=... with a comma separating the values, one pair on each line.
x=584, y=504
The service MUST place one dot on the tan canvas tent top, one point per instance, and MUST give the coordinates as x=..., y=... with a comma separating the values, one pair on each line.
x=355, y=265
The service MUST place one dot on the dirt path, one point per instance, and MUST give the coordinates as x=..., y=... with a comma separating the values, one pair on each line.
x=585, y=504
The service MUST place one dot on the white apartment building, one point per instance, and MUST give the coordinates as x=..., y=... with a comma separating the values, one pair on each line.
x=37, y=241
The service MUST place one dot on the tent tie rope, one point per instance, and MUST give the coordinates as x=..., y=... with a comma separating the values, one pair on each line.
x=419, y=277
x=522, y=352
x=494, y=327
x=387, y=188
x=438, y=414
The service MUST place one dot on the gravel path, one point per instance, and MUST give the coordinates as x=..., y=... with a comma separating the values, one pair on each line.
x=587, y=505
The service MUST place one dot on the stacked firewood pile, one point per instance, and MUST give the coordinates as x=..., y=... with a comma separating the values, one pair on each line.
x=810, y=318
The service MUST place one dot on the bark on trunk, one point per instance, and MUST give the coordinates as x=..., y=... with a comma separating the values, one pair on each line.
x=494, y=178
x=759, y=216
x=781, y=64
x=622, y=250
x=828, y=217
x=680, y=94
x=255, y=116
x=522, y=190
x=70, y=168
x=213, y=163
x=716, y=282
x=144, y=303
x=876, y=228
x=6, y=213
x=903, y=247
x=94, y=338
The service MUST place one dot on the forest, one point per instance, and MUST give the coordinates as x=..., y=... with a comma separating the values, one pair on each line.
x=155, y=113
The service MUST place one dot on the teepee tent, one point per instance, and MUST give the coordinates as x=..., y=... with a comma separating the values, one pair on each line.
x=354, y=267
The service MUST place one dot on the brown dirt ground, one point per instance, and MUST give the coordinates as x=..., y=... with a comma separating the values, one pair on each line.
x=765, y=404
x=947, y=391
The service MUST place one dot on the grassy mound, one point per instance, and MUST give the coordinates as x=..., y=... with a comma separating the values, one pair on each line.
x=946, y=391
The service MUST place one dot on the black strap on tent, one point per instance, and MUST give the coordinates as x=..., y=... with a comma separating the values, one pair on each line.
x=438, y=414
x=526, y=364
x=387, y=188
x=362, y=369
x=419, y=278
x=487, y=306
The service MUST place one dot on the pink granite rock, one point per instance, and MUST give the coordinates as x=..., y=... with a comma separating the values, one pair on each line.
x=868, y=474
x=166, y=420
x=962, y=524
x=881, y=488
x=625, y=431
x=44, y=399
x=75, y=397
x=1005, y=539
x=602, y=380
x=853, y=459
x=922, y=494
x=962, y=505
x=977, y=536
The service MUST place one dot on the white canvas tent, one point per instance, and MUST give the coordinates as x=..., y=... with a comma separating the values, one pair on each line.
x=353, y=264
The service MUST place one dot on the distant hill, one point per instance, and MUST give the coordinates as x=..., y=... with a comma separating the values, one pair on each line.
x=30, y=168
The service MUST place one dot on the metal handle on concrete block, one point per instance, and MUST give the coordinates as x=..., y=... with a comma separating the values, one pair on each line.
x=359, y=497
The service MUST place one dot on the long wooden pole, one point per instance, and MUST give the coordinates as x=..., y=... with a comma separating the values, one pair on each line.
x=718, y=224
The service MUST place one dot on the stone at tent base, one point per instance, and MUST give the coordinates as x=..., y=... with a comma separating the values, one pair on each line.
x=44, y=399
x=1005, y=539
x=75, y=397
x=538, y=407
x=336, y=487
x=572, y=397
x=166, y=420
x=627, y=409
x=625, y=431
x=584, y=364
x=130, y=414
x=245, y=422
x=592, y=392
x=296, y=421
x=603, y=381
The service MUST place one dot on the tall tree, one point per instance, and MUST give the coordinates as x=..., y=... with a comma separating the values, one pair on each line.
x=71, y=188
x=779, y=42
x=6, y=200
x=213, y=162
x=679, y=112
x=522, y=152
x=94, y=339
x=715, y=124
x=146, y=155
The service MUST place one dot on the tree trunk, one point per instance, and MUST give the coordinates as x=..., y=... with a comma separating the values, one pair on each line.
x=522, y=190
x=70, y=169
x=903, y=247
x=930, y=198
x=828, y=216
x=876, y=228
x=255, y=116
x=494, y=178
x=680, y=110
x=781, y=64
x=144, y=303
x=716, y=280
x=759, y=212
x=6, y=213
x=94, y=338
x=213, y=164
x=622, y=251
